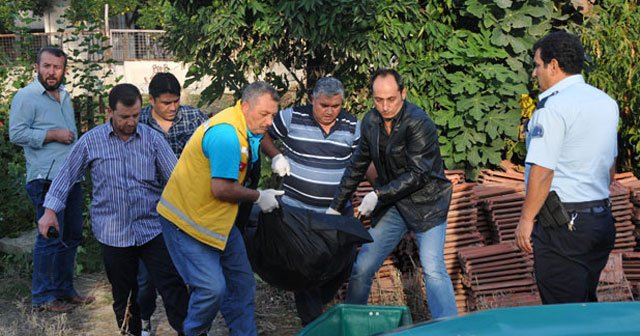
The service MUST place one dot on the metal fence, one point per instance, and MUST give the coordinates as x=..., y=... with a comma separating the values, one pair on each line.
x=135, y=45
x=13, y=46
x=126, y=45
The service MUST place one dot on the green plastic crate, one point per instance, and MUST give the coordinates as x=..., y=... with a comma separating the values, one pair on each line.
x=357, y=320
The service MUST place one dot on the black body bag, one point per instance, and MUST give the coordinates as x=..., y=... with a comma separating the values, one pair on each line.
x=295, y=249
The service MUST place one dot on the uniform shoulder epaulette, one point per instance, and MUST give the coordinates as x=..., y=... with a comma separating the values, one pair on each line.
x=544, y=100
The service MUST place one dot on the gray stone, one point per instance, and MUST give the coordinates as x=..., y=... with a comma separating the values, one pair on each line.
x=19, y=245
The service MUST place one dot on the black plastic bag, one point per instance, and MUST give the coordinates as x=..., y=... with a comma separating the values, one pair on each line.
x=295, y=249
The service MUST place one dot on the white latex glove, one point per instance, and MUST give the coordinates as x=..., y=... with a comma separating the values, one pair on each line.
x=368, y=204
x=332, y=211
x=267, y=200
x=280, y=165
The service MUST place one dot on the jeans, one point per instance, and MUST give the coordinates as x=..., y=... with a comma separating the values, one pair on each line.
x=54, y=259
x=386, y=235
x=217, y=280
x=121, y=265
x=146, y=293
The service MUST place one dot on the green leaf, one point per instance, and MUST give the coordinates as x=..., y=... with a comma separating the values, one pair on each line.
x=476, y=8
x=499, y=38
x=456, y=122
x=504, y=4
x=473, y=157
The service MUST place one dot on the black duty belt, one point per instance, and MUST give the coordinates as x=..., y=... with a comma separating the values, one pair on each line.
x=590, y=206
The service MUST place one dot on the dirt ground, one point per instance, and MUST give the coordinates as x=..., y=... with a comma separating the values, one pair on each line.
x=275, y=314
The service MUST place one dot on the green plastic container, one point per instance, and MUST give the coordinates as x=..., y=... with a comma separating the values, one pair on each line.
x=357, y=320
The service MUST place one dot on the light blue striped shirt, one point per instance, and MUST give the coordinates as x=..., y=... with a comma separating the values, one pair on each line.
x=33, y=113
x=128, y=178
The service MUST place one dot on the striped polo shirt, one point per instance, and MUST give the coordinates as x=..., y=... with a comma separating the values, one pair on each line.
x=317, y=159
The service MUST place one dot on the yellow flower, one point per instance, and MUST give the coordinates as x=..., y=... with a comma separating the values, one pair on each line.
x=527, y=105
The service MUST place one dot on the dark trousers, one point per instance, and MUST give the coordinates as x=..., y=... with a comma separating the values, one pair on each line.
x=568, y=264
x=146, y=293
x=309, y=302
x=121, y=265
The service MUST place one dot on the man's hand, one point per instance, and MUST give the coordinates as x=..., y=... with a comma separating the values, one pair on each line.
x=280, y=165
x=267, y=200
x=61, y=135
x=523, y=235
x=48, y=219
x=368, y=204
x=332, y=211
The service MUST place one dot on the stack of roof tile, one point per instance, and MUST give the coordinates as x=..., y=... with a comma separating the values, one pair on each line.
x=498, y=276
x=633, y=184
x=455, y=176
x=387, y=287
x=508, y=173
x=613, y=284
x=631, y=267
x=622, y=210
x=499, y=210
x=461, y=232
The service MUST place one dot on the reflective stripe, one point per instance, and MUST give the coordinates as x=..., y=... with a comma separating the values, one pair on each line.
x=185, y=218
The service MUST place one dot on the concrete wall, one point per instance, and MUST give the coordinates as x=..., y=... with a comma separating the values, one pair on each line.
x=54, y=13
x=139, y=73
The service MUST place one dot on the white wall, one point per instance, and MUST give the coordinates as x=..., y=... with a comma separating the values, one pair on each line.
x=139, y=73
x=51, y=16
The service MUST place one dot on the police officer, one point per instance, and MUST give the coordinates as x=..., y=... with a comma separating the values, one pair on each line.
x=571, y=152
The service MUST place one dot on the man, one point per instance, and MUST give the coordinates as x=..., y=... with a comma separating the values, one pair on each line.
x=41, y=120
x=200, y=204
x=129, y=165
x=318, y=141
x=177, y=123
x=571, y=152
x=411, y=191
x=165, y=114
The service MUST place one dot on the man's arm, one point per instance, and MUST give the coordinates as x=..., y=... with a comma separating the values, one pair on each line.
x=268, y=147
x=70, y=172
x=538, y=187
x=21, y=130
x=357, y=168
x=231, y=191
x=165, y=159
x=612, y=172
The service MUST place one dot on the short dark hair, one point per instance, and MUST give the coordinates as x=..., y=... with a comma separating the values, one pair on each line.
x=255, y=90
x=384, y=73
x=565, y=48
x=57, y=52
x=127, y=94
x=164, y=82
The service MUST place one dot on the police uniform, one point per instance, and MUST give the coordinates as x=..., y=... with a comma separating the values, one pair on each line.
x=573, y=133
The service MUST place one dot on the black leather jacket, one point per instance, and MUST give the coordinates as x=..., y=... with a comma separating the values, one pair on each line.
x=410, y=169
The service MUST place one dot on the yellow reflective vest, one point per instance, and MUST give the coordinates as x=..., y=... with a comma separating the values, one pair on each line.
x=187, y=200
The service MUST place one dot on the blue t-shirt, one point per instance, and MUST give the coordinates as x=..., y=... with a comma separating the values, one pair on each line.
x=221, y=146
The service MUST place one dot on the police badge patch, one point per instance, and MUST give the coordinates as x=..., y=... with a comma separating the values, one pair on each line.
x=537, y=131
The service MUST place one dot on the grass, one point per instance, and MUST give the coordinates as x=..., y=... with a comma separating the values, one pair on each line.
x=27, y=323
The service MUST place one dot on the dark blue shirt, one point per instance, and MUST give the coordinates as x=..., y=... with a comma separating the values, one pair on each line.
x=187, y=119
